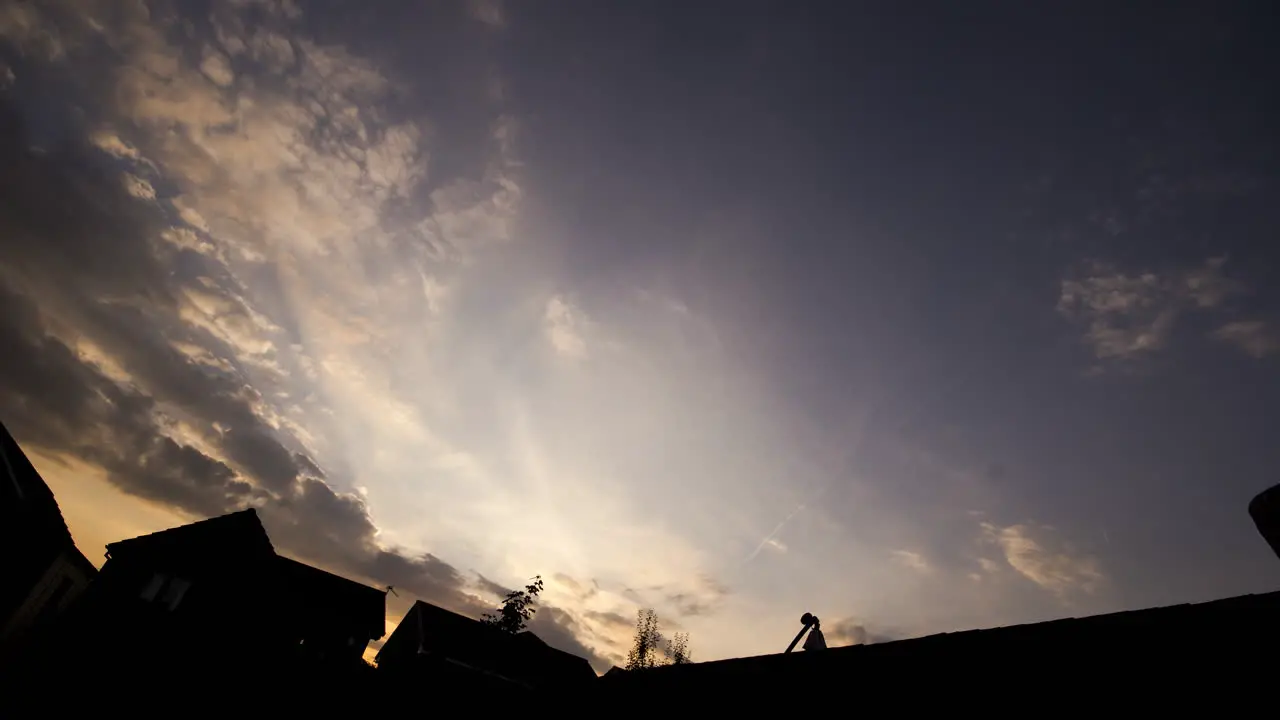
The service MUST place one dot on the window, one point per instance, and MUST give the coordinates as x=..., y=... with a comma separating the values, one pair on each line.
x=165, y=589
x=59, y=593
x=53, y=603
x=152, y=588
x=175, y=591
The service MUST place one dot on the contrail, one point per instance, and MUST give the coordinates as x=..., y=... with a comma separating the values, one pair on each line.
x=771, y=535
x=848, y=452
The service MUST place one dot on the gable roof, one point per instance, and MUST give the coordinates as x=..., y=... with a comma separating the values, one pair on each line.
x=23, y=490
x=441, y=631
x=325, y=596
x=523, y=658
x=233, y=536
x=553, y=661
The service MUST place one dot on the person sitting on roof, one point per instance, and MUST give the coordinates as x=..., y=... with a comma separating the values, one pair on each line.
x=815, y=641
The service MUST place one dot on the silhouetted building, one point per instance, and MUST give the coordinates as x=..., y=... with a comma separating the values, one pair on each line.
x=216, y=591
x=42, y=572
x=435, y=646
x=325, y=615
x=1160, y=656
x=1265, y=511
x=1168, y=657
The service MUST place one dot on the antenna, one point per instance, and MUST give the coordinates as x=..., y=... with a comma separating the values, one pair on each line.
x=391, y=589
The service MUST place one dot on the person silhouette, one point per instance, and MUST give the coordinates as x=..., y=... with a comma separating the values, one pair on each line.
x=815, y=641
x=812, y=625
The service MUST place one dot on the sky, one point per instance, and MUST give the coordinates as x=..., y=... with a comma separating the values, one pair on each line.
x=919, y=317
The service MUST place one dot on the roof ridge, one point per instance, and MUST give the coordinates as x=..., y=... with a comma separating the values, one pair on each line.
x=842, y=649
x=322, y=571
x=206, y=522
x=443, y=609
x=16, y=468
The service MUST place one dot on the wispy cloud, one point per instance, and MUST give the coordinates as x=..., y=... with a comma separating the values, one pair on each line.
x=564, y=325
x=1128, y=316
x=1037, y=554
x=489, y=12
x=853, y=631
x=912, y=560
x=1253, y=337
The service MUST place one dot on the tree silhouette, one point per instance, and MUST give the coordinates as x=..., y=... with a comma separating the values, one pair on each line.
x=678, y=649
x=644, y=651
x=517, y=608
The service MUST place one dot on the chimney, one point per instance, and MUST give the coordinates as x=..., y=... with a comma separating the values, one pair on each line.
x=1265, y=511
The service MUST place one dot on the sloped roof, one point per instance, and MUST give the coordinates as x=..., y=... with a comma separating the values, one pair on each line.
x=22, y=488
x=446, y=632
x=523, y=658
x=237, y=541
x=1265, y=511
x=317, y=592
x=1178, y=636
x=235, y=535
x=552, y=662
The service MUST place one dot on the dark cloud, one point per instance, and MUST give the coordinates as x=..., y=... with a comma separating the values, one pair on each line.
x=580, y=590
x=121, y=347
x=688, y=605
x=254, y=448
x=55, y=400
x=65, y=210
x=77, y=245
x=610, y=619
x=335, y=530
x=78, y=259
x=705, y=599
x=488, y=586
x=558, y=629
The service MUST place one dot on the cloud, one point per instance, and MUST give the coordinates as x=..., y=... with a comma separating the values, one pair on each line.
x=217, y=68
x=579, y=590
x=22, y=25
x=1206, y=286
x=1129, y=316
x=133, y=345
x=1254, y=337
x=564, y=324
x=611, y=619
x=290, y=314
x=59, y=403
x=1126, y=316
x=138, y=187
x=913, y=560
x=852, y=631
x=491, y=588
x=1033, y=552
x=703, y=598
x=560, y=630
x=488, y=12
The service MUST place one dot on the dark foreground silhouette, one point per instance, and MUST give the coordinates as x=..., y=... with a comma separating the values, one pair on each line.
x=207, y=616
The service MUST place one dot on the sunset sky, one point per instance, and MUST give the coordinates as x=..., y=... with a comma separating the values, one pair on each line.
x=917, y=316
